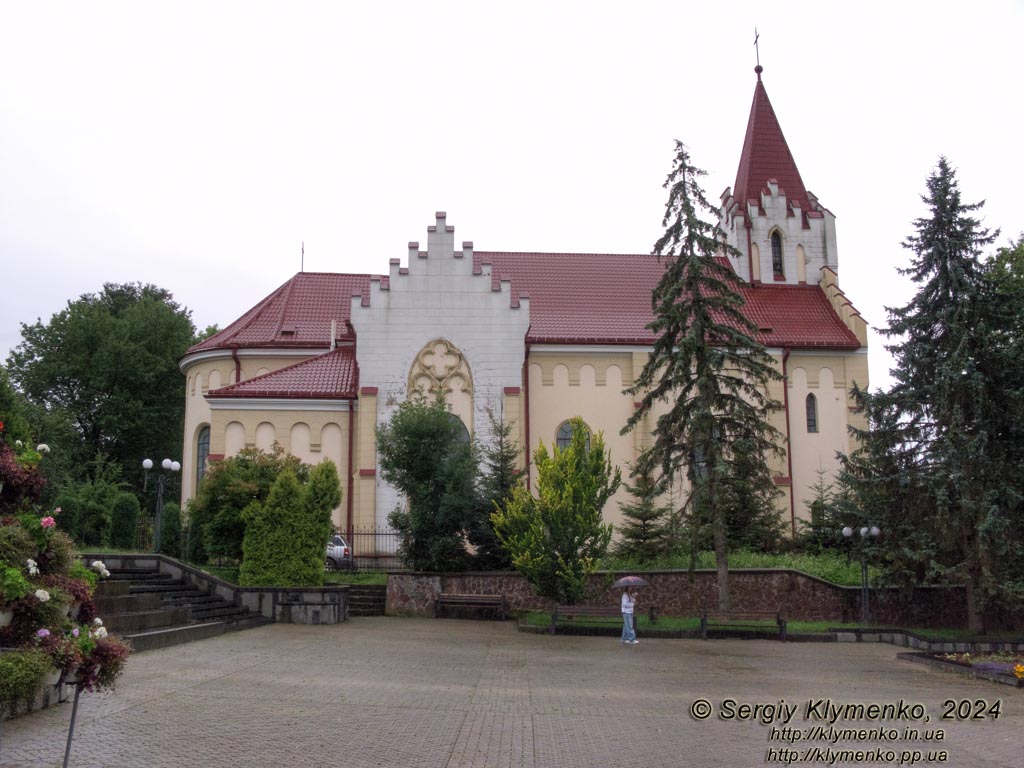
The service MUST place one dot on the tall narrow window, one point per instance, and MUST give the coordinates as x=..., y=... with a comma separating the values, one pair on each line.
x=812, y=413
x=202, y=452
x=777, y=254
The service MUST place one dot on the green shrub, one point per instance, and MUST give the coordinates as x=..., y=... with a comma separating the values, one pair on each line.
x=217, y=525
x=21, y=676
x=124, y=516
x=16, y=545
x=272, y=553
x=170, y=530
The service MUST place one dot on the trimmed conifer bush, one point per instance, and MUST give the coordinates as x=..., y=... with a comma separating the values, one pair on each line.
x=124, y=516
x=170, y=530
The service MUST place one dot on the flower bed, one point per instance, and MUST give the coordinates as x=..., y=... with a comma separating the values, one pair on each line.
x=1006, y=667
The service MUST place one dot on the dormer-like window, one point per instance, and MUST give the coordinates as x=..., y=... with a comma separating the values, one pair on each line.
x=777, y=255
x=812, y=413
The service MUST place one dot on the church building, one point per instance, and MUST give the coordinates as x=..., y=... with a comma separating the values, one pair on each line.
x=531, y=338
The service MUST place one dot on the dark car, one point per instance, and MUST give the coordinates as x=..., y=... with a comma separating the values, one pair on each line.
x=339, y=555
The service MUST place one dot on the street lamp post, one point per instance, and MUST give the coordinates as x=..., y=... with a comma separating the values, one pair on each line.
x=161, y=481
x=866, y=533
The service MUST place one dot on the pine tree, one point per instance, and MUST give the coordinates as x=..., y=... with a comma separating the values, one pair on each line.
x=643, y=531
x=709, y=369
x=950, y=422
x=501, y=475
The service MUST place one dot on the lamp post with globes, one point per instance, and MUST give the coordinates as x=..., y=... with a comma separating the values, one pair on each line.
x=866, y=535
x=161, y=482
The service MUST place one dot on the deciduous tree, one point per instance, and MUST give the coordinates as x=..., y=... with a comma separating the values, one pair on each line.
x=108, y=363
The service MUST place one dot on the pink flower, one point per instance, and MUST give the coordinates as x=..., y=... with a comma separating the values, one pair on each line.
x=48, y=522
x=74, y=632
x=56, y=511
x=44, y=632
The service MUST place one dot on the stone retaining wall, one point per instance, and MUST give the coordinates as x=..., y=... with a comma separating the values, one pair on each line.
x=679, y=593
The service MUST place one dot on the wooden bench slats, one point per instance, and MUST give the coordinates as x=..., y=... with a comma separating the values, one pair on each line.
x=740, y=620
x=470, y=601
x=570, y=612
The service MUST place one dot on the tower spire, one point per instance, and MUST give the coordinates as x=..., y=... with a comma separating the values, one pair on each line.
x=757, y=52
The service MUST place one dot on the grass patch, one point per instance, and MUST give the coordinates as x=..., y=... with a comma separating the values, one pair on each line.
x=835, y=567
x=692, y=624
x=347, y=577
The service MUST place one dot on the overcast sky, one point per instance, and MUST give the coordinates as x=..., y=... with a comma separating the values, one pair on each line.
x=197, y=145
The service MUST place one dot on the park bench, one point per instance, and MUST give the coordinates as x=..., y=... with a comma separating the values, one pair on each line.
x=711, y=618
x=450, y=600
x=585, y=612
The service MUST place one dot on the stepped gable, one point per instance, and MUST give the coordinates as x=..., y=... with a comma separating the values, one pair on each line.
x=298, y=314
x=765, y=157
x=578, y=298
x=329, y=376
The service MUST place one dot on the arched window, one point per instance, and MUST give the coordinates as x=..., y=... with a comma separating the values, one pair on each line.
x=812, y=413
x=202, y=452
x=777, y=255
x=563, y=436
x=460, y=427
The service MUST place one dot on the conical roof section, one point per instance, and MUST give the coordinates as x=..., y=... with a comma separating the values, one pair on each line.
x=766, y=156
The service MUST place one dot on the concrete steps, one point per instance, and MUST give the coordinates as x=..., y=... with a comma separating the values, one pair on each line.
x=366, y=599
x=154, y=610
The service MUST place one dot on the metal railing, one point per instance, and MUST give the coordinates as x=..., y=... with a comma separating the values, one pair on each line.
x=375, y=549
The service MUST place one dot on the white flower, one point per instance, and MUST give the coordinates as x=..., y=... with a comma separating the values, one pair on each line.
x=18, y=444
x=99, y=632
x=104, y=573
x=42, y=595
x=97, y=622
x=33, y=567
x=43, y=448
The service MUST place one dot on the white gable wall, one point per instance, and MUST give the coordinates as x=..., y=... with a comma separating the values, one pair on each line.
x=438, y=296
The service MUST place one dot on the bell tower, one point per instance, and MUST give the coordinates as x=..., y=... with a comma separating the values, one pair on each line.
x=784, y=235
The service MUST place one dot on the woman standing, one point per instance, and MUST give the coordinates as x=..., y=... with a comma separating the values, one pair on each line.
x=628, y=630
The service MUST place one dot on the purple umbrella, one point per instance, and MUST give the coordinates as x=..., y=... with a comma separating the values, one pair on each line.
x=629, y=581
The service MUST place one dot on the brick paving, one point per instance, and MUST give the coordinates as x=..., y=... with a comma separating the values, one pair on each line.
x=393, y=693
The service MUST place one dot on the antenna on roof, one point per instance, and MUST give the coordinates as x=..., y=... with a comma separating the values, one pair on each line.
x=302, y=263
x=757, y=52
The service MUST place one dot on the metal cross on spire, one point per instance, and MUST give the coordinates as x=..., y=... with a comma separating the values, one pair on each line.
x=757, y=52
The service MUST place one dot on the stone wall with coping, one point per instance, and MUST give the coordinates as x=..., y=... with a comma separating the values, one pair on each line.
x=678, y=593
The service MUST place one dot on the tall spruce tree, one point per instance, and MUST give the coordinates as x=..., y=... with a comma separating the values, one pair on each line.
x=952, y=415
x=643, y=530
x=499, y=477
x=708, y=369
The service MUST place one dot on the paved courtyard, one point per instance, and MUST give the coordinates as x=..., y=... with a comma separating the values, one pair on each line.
x=454, y=694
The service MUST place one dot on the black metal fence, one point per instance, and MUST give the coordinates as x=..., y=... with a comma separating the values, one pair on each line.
x=375, y=549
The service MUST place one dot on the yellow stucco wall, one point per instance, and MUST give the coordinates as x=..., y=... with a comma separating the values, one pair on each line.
x=560, y=384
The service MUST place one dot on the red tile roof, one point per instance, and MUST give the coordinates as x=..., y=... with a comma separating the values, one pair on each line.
x=332, y=375
x=575, y=298
x=298, y=314
x=606, y=299
x=766, y=156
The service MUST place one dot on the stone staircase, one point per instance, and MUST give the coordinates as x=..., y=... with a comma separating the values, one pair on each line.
x=154, y=610
x=366, y=599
